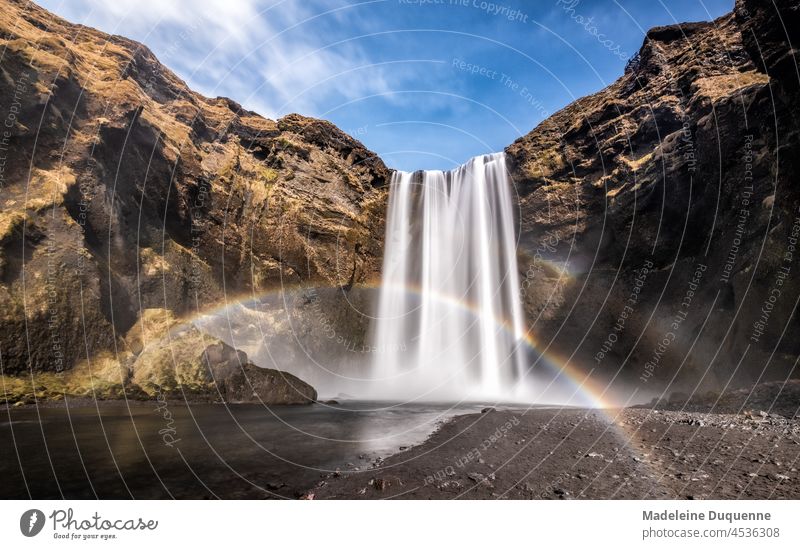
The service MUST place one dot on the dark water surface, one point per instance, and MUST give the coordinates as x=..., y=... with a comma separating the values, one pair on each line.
x=200, y=451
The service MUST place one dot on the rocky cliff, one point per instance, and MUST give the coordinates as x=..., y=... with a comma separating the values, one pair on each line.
x=660, y=216
x=123, y=190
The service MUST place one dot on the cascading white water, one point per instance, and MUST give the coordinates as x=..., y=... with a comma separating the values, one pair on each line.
x=450, y=320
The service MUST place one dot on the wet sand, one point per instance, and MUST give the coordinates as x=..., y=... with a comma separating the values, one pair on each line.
x=580, y=454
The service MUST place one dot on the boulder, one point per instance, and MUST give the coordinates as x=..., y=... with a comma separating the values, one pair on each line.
x=189, y=364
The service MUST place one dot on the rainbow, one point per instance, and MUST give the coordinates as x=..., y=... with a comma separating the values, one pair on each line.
x=589, y=390
x=592, y=392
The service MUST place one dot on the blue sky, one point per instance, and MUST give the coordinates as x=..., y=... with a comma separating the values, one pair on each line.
x=424, y=83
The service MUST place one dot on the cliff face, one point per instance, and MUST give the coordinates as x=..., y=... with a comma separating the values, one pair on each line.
x=123, y=190
x=660, y=216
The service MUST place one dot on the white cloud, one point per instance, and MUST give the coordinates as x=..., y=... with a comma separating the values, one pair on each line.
x=218, y=20
x=270, y=56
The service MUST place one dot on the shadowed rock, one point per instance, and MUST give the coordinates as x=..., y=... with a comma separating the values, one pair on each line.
x=687, y=162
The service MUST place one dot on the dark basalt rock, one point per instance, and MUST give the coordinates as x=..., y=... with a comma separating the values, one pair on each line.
x=771, y=34
x=187, y=364
x=653, y=173
x=240, y=381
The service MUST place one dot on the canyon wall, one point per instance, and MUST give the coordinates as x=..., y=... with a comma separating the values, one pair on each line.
x=122, y=190
x=659, y=216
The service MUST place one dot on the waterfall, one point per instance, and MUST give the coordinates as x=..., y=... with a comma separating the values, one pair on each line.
x=450, y=323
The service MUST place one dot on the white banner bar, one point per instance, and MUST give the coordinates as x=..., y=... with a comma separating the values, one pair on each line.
x=402, y=524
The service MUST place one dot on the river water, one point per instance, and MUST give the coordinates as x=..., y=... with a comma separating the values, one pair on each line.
x=164, y=450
